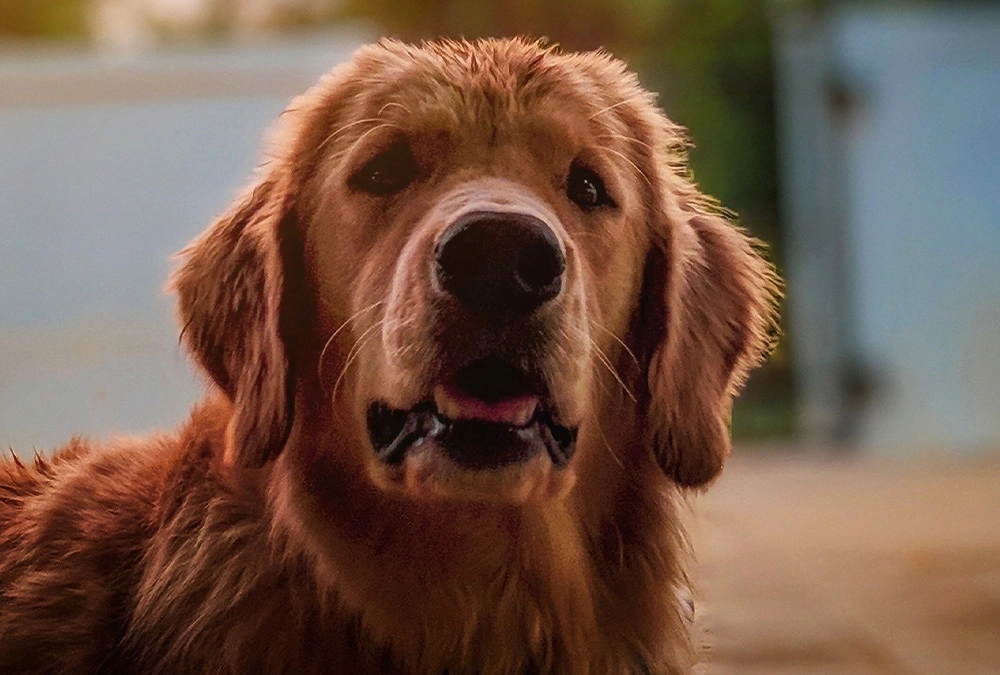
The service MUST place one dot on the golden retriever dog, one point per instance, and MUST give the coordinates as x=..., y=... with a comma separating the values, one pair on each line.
x=470, y=336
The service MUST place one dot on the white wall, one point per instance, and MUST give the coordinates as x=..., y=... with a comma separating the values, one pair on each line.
x=109, y=164
x=903, y=108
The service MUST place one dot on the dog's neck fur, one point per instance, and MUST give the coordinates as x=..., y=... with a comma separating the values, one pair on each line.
x=510, y=590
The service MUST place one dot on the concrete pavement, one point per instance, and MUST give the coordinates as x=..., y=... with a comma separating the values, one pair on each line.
x=836, y=567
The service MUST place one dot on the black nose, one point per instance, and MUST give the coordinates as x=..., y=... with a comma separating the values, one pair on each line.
x=500, y=265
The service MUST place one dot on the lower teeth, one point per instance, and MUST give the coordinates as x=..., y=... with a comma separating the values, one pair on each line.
x=410, y=428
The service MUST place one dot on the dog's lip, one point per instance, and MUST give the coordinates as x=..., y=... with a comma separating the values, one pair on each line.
x=455, y=404
x=488, y=414
x=471, y=443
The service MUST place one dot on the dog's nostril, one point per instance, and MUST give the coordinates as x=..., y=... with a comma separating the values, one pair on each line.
x=500, y=265
x=539, y=269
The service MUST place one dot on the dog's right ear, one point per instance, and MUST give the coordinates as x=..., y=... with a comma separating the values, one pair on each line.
x=229, y=289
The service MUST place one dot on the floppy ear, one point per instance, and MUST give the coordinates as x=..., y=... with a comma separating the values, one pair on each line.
x=711, y=299
x=229, y=289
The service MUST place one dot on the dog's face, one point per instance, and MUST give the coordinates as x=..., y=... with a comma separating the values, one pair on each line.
x=489, y=260
x=494, y=227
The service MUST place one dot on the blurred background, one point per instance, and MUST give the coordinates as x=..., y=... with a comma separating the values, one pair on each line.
x=858, y=526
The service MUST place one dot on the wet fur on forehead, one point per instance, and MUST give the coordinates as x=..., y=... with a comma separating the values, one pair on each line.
x=505, y=73
x=482, y=86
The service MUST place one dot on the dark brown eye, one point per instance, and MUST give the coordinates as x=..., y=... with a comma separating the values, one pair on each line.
x=586, y=189
x=387, y=173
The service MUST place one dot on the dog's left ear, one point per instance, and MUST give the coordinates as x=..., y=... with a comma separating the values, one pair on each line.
x=710, y=312
x=229, y=290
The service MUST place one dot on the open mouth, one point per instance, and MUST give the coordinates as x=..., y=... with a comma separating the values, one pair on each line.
x=485, y=416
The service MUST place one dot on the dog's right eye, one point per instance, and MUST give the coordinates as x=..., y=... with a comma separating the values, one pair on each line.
x=387, y=173
x=586, y=189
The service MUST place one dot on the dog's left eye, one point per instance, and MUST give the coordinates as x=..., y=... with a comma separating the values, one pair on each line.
x=586, y=189
x=387, y=173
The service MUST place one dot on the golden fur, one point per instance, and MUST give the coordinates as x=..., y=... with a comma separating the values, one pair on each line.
x=263, y=536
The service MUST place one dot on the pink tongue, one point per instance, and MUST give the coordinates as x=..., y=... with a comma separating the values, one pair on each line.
x=516, y=410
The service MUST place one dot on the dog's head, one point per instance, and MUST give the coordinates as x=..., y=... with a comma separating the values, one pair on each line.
x=485, y=259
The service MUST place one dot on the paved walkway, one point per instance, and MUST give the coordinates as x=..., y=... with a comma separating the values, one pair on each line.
x=851, y=567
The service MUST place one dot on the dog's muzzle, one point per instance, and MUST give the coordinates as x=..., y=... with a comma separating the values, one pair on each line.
x=485, y=417
x=492, y=273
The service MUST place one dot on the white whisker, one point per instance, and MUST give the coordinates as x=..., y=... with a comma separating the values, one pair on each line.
x=603, y=358
x=344, y=128
x=352, y=356
x=329, y=340
x=391, y=104
x=607, y=445
x=624, y=101
x=384, y=125
x=627, y=139
x=633, y=164
x=617, y=339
